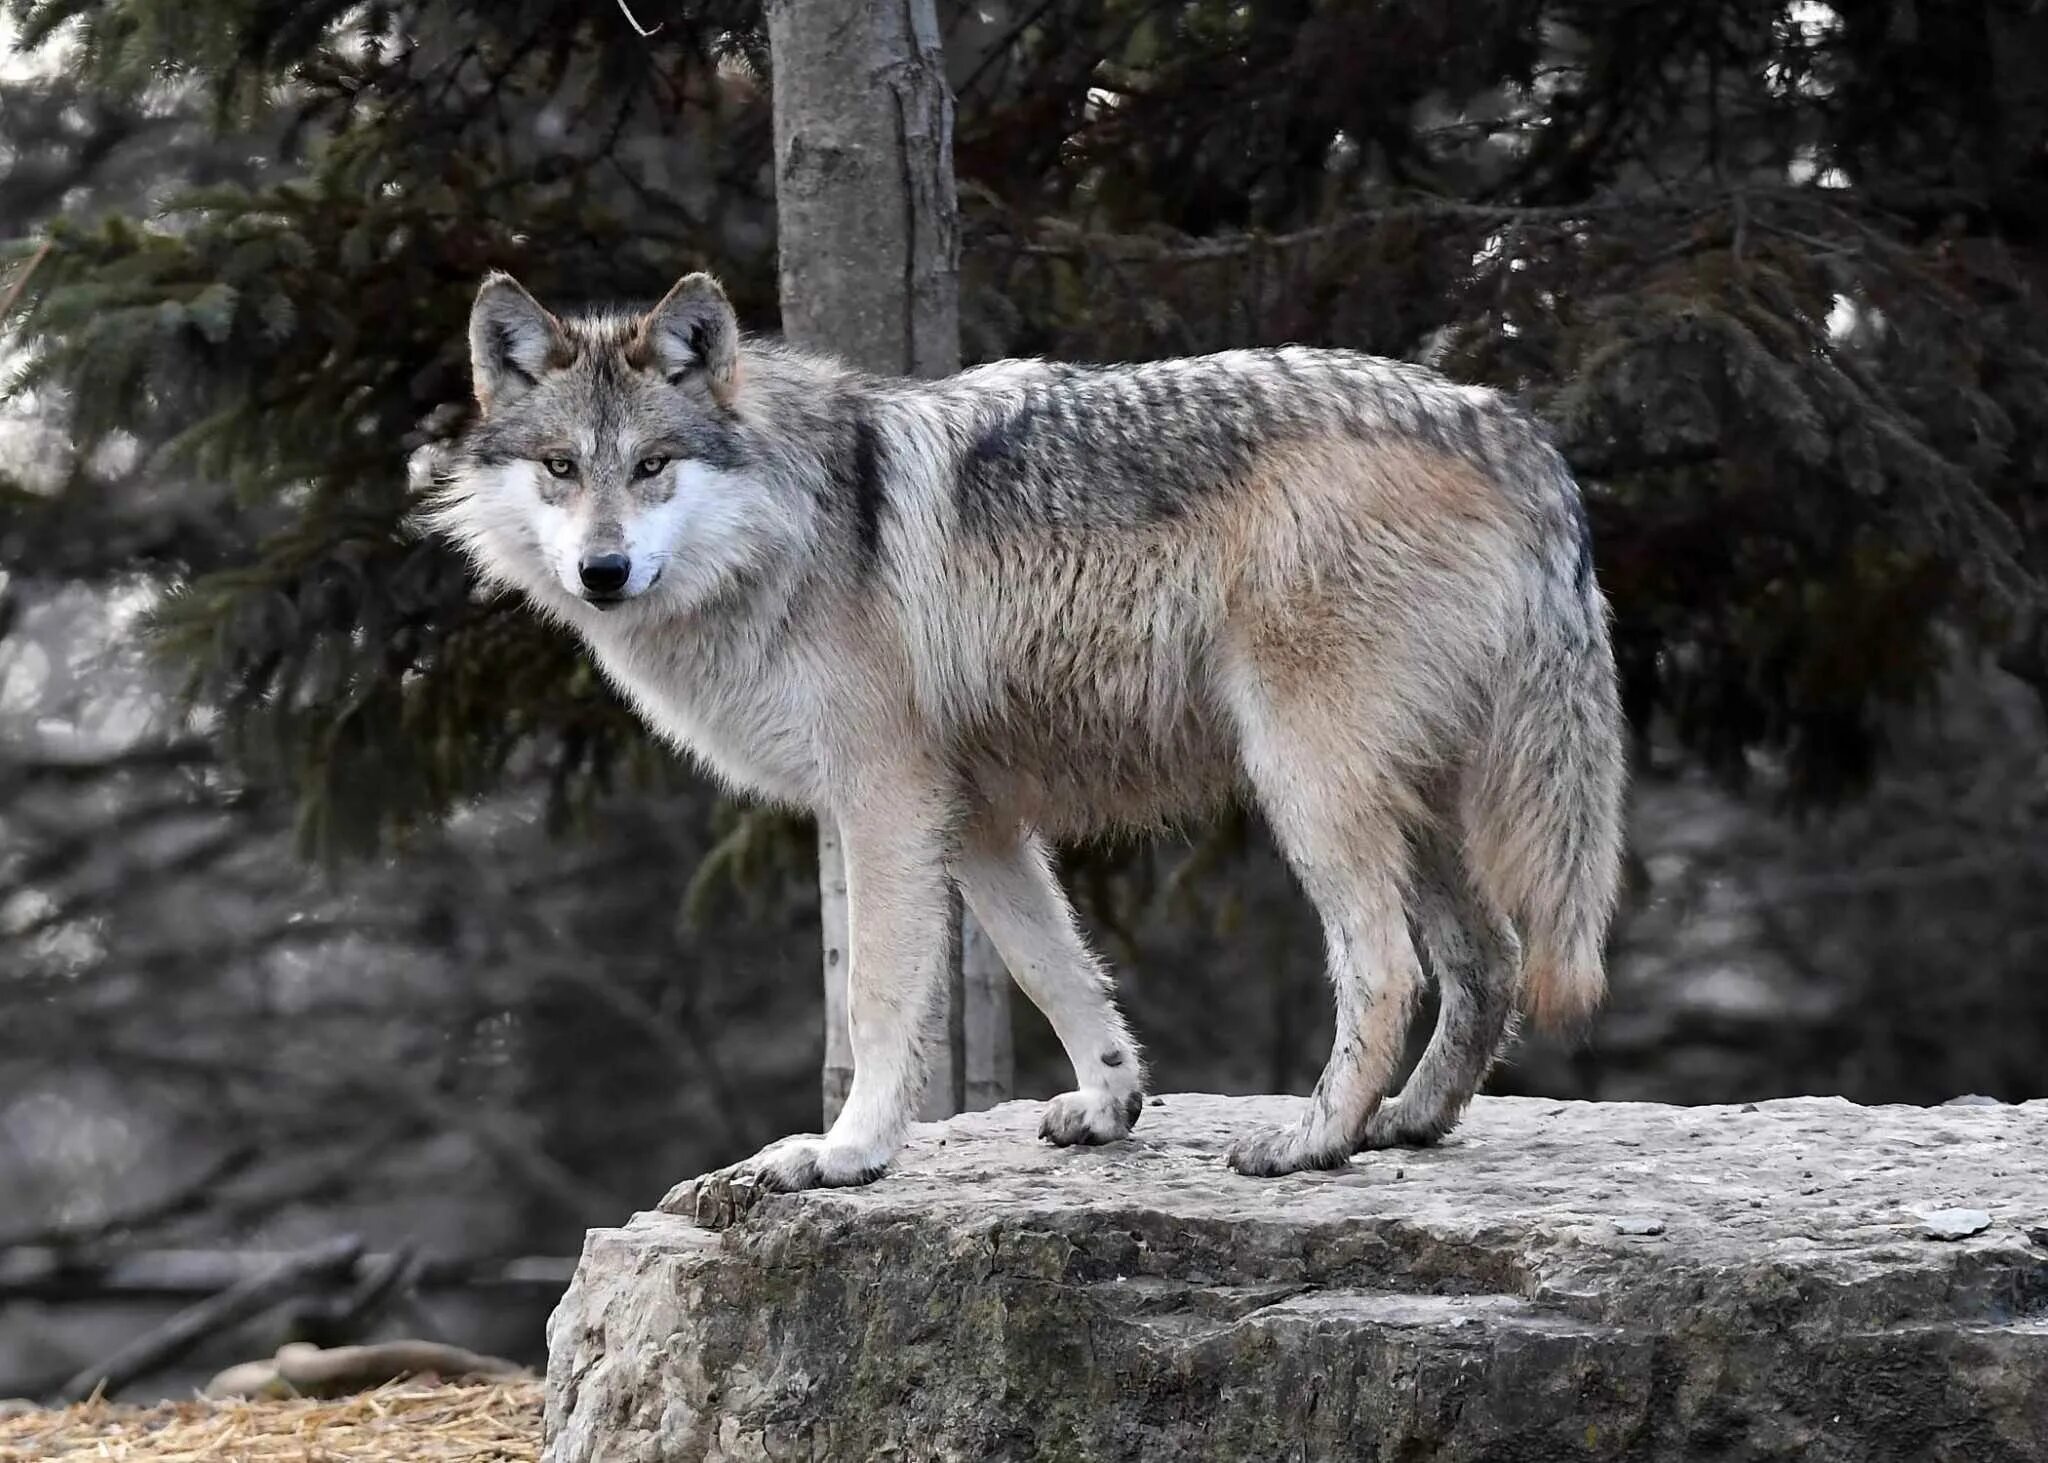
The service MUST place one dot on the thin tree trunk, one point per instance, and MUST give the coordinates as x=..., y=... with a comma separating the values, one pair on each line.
x=945, y=1082
x=832, y=918
x=868, y=228
x=990, y=1066
x=866, y=217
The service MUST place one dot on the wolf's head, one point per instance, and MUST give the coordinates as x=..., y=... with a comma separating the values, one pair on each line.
x=610, y=457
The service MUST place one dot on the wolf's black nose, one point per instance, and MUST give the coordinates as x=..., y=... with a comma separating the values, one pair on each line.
x=605, y=573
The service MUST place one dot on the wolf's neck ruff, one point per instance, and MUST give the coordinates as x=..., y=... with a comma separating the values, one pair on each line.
x=968, y=617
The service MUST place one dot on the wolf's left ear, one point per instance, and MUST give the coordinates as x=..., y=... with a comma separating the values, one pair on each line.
x=512, y=340
x=693, y=328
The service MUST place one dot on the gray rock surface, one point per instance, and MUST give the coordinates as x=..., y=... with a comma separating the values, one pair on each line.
x=1502, y=1297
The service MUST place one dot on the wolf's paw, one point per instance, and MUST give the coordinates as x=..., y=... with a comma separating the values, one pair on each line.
x=1270, y=1152
x=724, y=1196
x=1393, y=1126
x=1092, y=1115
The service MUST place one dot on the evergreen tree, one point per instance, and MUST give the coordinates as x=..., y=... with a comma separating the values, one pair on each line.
x=1772, y=285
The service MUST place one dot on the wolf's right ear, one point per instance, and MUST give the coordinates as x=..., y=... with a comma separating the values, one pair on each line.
x=693, y=328
x=511, y=341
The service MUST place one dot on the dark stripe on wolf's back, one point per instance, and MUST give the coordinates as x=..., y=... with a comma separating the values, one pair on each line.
x=995, y=467
x=1004, y=435
x=860, y=482
x=1105, y=447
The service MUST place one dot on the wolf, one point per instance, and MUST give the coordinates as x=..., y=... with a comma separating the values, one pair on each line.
x=970, y=618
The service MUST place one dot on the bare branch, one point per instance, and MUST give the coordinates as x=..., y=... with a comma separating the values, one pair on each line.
x=308, y=1371
x=634, y=21
x=21, y=280
x=156, y=1349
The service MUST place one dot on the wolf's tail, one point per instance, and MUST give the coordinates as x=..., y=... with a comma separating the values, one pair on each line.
x=1542, y=803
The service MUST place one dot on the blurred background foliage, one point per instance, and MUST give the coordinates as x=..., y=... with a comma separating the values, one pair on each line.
x=310, y=853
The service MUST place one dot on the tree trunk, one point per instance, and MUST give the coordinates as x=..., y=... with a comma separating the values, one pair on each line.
x=866, y=216
x=989, y=1067
x=868, y=227
x=832, y=922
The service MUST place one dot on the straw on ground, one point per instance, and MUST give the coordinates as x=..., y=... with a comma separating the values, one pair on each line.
x=405, y=1422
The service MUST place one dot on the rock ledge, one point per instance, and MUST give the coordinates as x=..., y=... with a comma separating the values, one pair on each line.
x=1558, y=1280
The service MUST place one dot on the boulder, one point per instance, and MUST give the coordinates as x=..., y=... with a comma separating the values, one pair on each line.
x=1557, y=1280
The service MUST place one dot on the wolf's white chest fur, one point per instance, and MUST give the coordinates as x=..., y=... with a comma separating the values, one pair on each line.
x=737, y=709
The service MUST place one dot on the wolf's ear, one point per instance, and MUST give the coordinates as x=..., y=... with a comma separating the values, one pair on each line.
x=693, y=328
x=511, y=341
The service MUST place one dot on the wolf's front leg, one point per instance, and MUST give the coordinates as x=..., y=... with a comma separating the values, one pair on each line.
x=898, y=906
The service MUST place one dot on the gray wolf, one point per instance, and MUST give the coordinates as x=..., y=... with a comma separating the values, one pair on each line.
x=969, y=618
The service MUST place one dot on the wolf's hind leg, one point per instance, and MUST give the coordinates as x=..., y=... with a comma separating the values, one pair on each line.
x=1007, y=880
x=1474, y=955
x=1338, y=815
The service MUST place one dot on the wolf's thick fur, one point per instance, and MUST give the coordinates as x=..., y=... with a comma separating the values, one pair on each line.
x=970, y=617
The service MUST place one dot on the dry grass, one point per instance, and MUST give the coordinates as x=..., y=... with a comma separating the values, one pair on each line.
x=406, y=1422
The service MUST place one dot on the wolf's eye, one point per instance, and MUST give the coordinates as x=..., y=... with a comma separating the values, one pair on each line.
x=647, y=467
x=560, y=467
